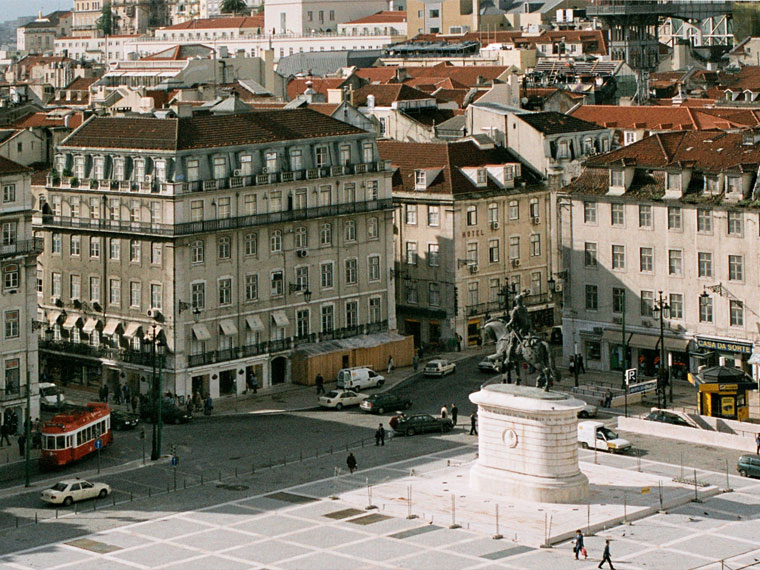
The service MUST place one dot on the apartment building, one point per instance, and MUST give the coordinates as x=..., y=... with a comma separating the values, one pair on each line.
x=672, y=214
x=18, y=296
x=307, y=16
x=38, y=36
x=233, y=240
x=471, y=232
x=128, y=16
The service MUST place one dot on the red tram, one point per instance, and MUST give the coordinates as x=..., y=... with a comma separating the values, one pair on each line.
x=70, y=436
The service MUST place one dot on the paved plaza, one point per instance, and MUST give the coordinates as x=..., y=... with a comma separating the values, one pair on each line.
x=325, y=524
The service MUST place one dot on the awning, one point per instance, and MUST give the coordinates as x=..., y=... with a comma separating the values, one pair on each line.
x=254, y=323
x=111, y=326
x=676, y=344
x=53, y=317
x=72, y=321
x=90, y=325
x=149, y=333
x=227, y=327
x=132, y=330
x=644, y=341
x=280, y=318
x=200, y=332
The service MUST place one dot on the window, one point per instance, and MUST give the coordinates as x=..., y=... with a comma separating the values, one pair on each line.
x=135, y=292
x=223, y=208
x=345, y=154
x=246, y=166
x=647, y=304
x=156, y=296
x=275, y=202
x=352, y=313
x=11, y=324
x=472, y=215
x=514, y=210
x=75, y=246
x=326, y=275
x=411, y=292
x=735, y=268
x=645, y=216
x=433, y=255
x=251, y=287
x=589, y=212
x=434, y=216
x=472, y=253
x=57, y=240
x=618, y=257
x=11, y=277
x=411, y=253
x=350, y=230
x=734, y=184
x=114, y=210
x=75, y=209
x=220, y=167
x=590, y=254
x=351, y=271
x=493, y=251
x=373, y=267
x=674, y=218
x=251, y=244
x=328, y=318
x=704, y=221
x=420, y=179
x=673, y=181
x=225, y=291
x=473, y=296
x=411, y=214
x=434, y=294
x=592, y=297
x=198, y=295
x=617, y=215
x=95, y=289
x=676, y=306
x=373, y=190
x=250, y=206
x=735, y=224
x=618, y=300
x=705, y=264
x=9, y=193
x=302, y=322
x=514, y=247
x=646, y=259
x=270, y=159
x=224, y=248
x=368, y=153
x=114, y=249
x=325, y=234
x=493, y=214
x=156, y=253
x=349, y=193
x=705, y=309
x=114, y=291
x=535, y=245
x=12, y=376
x=675, y=262
x=482, y=177
x=301, y=200
x=94, y=209
x=275, y=241
x=372, y=228
x=56, y=285
x=736, y=309
x=134, y=211
x=197, y=251
x=135, y=250
x=321, y=156
x=196, y=211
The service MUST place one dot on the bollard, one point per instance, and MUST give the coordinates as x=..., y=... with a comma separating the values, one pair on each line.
x=76, y=507
x=130, y=497
x=409, y=514
x=696, y=490
x=638, y=458
x=56, y=512
x=728, y=488
x=369, y=506
x=659, y=488
x=235, y=472
x=113, y=499
x=149, y=492
x=498, y=535
x=454, y=524
x=625, y=507
x=35, y=517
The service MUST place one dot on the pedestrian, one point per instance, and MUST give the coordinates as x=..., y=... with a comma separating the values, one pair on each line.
x=416, y=362
x=606, y=555
x=351, y=462
x=197, y=401
x=21, y=444
x=607, y=399
x=757, y=442
x=459, y=342
x=320, y=384
x=579, y=362
x=117, y=394
x=254, y=383
x=390, y=363
x=444, y=412
x=474, y=423
x=454, y=413
x=578, y=548
x=4, y=432
x=208, y=405
x=573, y=369
x=125, y=394
x=380, y=435
x=104, y=397
x=189, y=405
x=419, y=352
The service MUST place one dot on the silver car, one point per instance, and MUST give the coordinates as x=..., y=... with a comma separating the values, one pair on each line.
x=439, y=367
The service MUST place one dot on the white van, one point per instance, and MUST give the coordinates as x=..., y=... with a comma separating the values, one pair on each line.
x=595, y=435
x=51, y=396
x=359, y=378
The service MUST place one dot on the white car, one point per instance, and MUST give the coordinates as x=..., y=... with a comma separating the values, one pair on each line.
x=51, y=396
x=439, y=367
x=489, y=364
x=70, y=490
x=339, y=399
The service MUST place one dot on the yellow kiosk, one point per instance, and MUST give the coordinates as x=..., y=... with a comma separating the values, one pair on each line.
x=722, y=392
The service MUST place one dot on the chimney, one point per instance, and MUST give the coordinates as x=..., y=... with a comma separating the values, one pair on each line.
x=335, y=95
x=184, y=110
x=309, y=93
x=269, y=71
x=475, y=15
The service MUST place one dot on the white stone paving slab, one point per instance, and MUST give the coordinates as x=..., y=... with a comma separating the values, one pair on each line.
x=215, y=540
x=168, y=528
x=268, y=552
x=382, y=549
x=436, y=560
x=154, y=555
x=274, y=525
x=209, y=563
x=321, y=561
x=49, y=556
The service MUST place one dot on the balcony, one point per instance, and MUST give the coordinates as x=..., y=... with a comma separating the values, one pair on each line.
x=11, y=393
x=50, y=221
x=33, y=246
x=100, y=352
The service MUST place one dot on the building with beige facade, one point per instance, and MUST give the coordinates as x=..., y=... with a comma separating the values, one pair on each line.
x=471, y=225
x=234, y=240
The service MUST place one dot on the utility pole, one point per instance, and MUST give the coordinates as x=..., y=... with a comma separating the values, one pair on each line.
x=625, y=359
x=155, y=451
x=661, y=371
x=27, y=427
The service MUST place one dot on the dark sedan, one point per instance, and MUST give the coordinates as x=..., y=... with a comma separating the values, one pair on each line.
x=170, y=414
x=381, y=403
x=121, y=420
x=422, y=423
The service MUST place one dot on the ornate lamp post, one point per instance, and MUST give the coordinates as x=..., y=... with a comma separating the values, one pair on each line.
x=660, y=306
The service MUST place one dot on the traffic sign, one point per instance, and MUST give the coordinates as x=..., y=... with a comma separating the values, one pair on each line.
x=645, y=490
x=175, y=460
x=648, y=386
x=98, y=443
x=630, y=376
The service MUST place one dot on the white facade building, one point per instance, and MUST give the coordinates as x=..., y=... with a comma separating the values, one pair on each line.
x=307, y=16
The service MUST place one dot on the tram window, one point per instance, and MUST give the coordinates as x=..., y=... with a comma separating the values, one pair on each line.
x=50, y=442
x=60, y=442
x=79, y=438
x=68, y=441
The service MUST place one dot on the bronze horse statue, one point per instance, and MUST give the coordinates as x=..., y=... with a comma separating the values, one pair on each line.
x=531, y=349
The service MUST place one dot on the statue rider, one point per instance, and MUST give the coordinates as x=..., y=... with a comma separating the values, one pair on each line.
x=519, y=327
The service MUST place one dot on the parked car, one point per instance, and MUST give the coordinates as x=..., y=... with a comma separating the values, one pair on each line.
x=359, y=378
x=588, y=411
x=121, y=420
x=422, y=423
x=51, y=396
x=170, y=413
x=664, y=416
x=339, y=399
x=594, y=435
x=749, y=465
x=381, y=403
x=71, y=490
x=488, y=364
x=439, y=367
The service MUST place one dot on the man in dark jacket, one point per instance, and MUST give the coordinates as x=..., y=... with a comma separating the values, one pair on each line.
x=454, y=413
x=606, y=556
x=380, y=435
x=351, y=462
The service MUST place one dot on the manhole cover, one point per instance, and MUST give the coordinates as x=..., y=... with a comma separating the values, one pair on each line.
x=233, y=487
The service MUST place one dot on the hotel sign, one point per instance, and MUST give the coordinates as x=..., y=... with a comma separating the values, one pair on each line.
x=724, y=346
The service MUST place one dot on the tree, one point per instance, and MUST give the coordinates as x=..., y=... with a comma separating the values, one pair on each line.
x=105, y=22
x=233, y=6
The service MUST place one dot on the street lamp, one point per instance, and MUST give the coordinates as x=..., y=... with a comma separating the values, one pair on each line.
x=504, y=293
x=660, y=307
x=298, y=288
x=157, y=347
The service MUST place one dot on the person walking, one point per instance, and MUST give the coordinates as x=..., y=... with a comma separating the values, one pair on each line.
x=380, y=435
x=390, y=363
x=21, y=444
x=351, y=462
x=208, y=405
x=444, y=412
x=419, y=352
x=416, y=362
x=578, y=548
x=606, y=555
x=125, y=394
x=459, y=342
x=757, y=442
x=254, y=382
x=474, y=423
x=4, y=432
x=454, y=413
x=579, y=363
x=320, y=384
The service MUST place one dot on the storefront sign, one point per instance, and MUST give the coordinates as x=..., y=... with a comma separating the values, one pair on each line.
x=724, y=346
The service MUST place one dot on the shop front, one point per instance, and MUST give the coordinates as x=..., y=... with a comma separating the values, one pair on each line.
x=722, y=392
x=715, y=351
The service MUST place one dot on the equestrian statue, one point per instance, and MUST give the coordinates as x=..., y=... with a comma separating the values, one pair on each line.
x=516, y=340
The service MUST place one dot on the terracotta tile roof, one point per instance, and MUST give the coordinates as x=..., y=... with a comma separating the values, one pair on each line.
x=377, y=74
x=465, y=76
x=243, y=22
x=386, y=95
x=298, y=85
x=81, y=84
x=455, y=95
x=324, y=108
x=10, y=167
x=747, y=77
x=43, y=119
x=551, y=122
x=30, y=60
x=651, y=118
x=206, y=131
x=382, y=17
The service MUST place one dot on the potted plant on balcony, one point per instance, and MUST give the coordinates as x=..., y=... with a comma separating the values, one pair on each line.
x=93, y=184
x=54, y=177
x=74, y=182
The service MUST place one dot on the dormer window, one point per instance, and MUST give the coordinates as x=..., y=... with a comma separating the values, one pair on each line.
x=118, y=168
x=193, y=172
x=271, y=161
x=482, y=177
x=420, y=179
x=79, y=167
x=220, y=167
x=246, y=165
x=509, y=173
x=617, y=178
x=734, y=184
x=564, y=150
x=711, y=184
x=588, y=146
x=368, y=151
x=60, y=162
x=139, y=170
x=673, y=181
x=160, y=170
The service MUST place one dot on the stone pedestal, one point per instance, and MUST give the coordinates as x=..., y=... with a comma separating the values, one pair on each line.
x=528, y=445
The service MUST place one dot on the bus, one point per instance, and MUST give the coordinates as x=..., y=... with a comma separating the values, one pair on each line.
x=70, y=436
